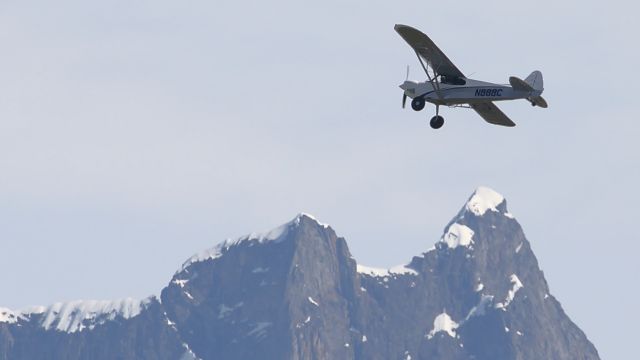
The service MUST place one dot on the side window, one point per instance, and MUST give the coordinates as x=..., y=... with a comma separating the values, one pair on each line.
x=452, y=80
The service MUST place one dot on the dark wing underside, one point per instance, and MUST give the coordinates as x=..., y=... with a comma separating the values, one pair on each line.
x=491, y=114
x=421, y=43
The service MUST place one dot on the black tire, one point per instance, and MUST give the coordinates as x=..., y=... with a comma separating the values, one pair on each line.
x=436, y=122
x=417, y=104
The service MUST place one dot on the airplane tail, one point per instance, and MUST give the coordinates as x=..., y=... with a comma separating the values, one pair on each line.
x=533, y=85
x=535, y=81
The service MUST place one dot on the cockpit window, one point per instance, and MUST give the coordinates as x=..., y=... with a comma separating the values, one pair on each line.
x=452, y=80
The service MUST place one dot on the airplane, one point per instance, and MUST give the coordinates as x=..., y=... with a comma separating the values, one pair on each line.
x=448, y=86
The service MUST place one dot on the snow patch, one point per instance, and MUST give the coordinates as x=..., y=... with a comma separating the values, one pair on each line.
x=516, y=285
x=519, y=247
x=509, y=215
x=379, y=272
x=79, y=315
x=479, y=287
x=7, y=316
x=180, y=283
x=207, y=254
x=188, y=354
x=313, y=301
x=364, y=338
x=443, y=322
x=481, y=308
x=302, y=324
x=259, y=270
x=484, y=199
x=303, y=214
x=458, y=235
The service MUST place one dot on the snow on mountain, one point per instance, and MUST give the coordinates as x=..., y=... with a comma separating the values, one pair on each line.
x=481, y=308
x=311, y=300
x=379, y=272
x=7, y=316
x=443, y=322
x=82, y=314
x=484, y=199
x=303, y=214
x=458, y=235
x=516, y=285
x=275, y=235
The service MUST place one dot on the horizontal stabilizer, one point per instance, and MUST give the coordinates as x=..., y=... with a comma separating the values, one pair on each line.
x=519, y=84
x=538, y=101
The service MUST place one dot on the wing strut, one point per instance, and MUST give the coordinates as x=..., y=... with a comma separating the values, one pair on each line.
x=434, y=81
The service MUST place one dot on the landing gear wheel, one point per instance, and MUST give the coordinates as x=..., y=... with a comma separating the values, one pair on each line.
x=417, y=104
x=437, y=122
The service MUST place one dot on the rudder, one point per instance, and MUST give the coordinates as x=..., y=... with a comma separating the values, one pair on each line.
x=535, y=81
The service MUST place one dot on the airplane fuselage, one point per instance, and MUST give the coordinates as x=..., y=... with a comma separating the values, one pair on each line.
x=473, y=91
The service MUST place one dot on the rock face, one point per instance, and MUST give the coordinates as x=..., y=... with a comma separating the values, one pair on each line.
x=296, y=293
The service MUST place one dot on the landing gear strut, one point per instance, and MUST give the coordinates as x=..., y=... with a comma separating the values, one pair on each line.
x=437, y=121
x=417, y=104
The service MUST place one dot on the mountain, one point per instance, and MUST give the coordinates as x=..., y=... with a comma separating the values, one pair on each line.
x=297, y=293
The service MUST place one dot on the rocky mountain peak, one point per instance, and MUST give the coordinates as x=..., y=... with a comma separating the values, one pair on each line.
x=483, y=215
x=287, y=231
x=484, y=199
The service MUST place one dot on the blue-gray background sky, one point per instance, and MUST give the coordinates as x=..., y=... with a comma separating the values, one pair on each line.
x=135, y=133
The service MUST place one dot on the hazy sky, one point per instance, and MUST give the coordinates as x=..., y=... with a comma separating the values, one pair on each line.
x=135, y=133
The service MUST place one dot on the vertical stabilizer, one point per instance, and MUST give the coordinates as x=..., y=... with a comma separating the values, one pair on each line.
x=535, y=80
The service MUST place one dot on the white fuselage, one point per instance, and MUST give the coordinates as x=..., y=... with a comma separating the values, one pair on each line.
x=473, y=91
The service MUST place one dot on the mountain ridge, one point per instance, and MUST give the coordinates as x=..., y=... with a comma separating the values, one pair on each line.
x=295, y=292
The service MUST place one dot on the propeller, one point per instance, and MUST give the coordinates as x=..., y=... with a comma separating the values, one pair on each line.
x=404, y=96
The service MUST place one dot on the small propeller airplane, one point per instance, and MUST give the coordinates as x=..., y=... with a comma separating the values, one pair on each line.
x=448, y=86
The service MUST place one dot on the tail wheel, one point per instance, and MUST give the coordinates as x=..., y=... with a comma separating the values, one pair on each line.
x=417, y=104
x=436, y=122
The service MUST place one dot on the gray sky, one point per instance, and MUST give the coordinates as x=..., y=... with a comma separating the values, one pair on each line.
x=135, y=133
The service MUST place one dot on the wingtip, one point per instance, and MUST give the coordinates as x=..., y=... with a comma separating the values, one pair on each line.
x=399, y=27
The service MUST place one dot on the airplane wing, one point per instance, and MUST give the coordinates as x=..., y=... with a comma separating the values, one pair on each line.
x=428, y=50
x=491, y=114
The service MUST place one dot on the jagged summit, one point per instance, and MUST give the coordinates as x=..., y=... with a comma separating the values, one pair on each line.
x=274, y=235
x=483, y=199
